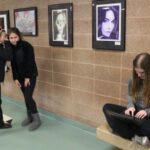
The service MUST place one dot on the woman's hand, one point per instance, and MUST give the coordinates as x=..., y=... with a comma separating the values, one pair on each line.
x=130, y=111
x=17, y=83
x=26, y=82
x=141, y=114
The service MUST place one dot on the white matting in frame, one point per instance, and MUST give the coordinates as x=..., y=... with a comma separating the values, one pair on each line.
x=4, y=20
x=108, y=24
x=26, y=20
x=60, y=25
x=116, y=31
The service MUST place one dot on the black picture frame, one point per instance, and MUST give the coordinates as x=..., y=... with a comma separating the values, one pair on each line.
x=108, y=24
x=4, y=20
x=60, y=22
x=25, y=19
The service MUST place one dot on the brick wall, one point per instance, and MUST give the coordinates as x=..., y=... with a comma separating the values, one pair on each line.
x=76, y=82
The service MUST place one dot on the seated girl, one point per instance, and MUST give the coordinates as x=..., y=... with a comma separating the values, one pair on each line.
x=138, y=104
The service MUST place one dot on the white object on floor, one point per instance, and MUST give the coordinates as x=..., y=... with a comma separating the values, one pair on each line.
x=7, y=118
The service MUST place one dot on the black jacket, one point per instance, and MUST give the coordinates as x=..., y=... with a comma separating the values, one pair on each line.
x=5, y=54
x=23, y=61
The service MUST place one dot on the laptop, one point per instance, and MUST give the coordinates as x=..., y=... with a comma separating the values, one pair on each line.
x=127, y=118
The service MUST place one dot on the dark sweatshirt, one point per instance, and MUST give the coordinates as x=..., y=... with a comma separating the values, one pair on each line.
x=5, y=54
x=23, y=61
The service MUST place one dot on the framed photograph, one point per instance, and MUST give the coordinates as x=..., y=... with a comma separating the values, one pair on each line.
x=108, y=24
x=4, y=20
x=61, y=24
x=25, y=19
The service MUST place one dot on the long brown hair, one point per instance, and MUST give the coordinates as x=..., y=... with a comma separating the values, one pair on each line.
x=141, y=61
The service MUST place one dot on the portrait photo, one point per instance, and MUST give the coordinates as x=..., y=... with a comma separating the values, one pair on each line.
x=60, y=18
x=60, y=25
x=4, y=20
x=108, y=24
x=26, y=20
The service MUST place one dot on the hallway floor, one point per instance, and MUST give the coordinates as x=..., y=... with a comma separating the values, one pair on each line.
x=56, y=133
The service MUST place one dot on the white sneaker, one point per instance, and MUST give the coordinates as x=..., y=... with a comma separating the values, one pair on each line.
x=142, y=140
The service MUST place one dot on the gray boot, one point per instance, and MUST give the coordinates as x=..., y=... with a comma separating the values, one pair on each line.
x=35, y=123
x=27, y=120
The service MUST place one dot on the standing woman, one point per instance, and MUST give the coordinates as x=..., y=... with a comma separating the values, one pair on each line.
x=24, y=74
x=5, y=54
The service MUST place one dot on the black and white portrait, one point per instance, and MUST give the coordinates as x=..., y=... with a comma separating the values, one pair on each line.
x=60, y=24
x=4, y=20
x=60, y=21
x=108, y=22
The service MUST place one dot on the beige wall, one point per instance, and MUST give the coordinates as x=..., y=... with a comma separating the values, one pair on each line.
x=76, y=82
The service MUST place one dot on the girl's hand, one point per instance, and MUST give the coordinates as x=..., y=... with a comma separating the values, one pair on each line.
x=141, y=114
x=130, y=111
x=26, y=82
x=17, y=83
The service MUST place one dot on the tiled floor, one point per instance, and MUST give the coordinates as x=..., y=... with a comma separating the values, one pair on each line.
x=54, y=134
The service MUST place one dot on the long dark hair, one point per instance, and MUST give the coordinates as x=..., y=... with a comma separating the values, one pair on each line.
x=141, y=61
x=15, y=31
x=101, y=18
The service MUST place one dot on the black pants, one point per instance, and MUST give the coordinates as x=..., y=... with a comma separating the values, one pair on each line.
x=125, y=130
x=28, y=95
x=1, y=116
x=1, y=112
